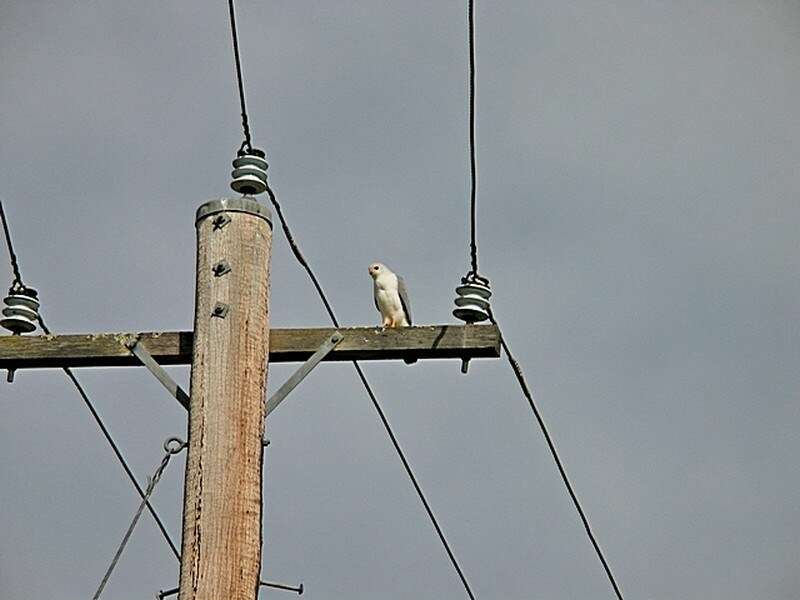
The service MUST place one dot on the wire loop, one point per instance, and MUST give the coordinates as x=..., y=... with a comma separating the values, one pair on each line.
x=174, y=445
x=473, y=277
x=17, y=287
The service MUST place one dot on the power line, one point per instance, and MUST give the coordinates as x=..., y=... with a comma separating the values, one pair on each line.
x=85, y=397
x=512, y=361
x=304, y=263
x=301, y=259
x=473, y=167
x=11, y=255
x=551, y=445
x=239, y=79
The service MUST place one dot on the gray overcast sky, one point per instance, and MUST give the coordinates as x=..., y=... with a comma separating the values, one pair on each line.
x=639, y=209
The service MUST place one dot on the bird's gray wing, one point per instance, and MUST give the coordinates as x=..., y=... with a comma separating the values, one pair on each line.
x=401, y=289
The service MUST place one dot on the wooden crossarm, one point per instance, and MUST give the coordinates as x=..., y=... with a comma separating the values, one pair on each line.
x=286, y=345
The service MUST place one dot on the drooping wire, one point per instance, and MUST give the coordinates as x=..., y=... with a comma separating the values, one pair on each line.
x=85, y=397
x=381, y=414
x=523, y=384
x=170, y=449
x=245, y=125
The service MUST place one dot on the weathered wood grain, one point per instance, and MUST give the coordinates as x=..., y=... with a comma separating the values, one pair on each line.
x=286, y=345
x=221, y=552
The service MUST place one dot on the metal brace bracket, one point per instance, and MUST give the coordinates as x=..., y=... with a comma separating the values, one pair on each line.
x=279, y=396
x=156, y=369
x=304, y=370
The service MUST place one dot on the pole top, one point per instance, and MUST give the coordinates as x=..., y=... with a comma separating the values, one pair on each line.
x=244, y=204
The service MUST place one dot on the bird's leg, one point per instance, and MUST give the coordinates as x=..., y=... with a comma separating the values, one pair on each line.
x=386, y=322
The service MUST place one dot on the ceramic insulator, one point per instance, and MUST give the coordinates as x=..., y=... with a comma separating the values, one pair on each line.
x=472, y=302
x=21, y=312
x=249, y=173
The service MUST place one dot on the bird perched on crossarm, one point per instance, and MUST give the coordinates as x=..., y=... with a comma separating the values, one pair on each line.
x=391, y=298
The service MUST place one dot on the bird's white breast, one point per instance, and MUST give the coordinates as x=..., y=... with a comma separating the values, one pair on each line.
x=386, y=294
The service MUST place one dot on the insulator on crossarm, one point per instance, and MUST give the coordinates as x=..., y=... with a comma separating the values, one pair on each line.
x=472, y=302
x=249, y=172
x=21, y=312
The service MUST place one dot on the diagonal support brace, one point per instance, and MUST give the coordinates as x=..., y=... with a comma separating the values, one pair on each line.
x=298, y=376
x=156, y=369
x=182, y=397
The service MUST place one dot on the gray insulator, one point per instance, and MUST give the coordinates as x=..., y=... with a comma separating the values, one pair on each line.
x=21, y=313
x=249, y=174
x=472, y=302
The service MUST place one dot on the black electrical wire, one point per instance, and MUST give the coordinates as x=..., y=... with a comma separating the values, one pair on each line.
x=301, y=259
x=473, y=170
x=523, y=384
x=85, y=397
x=304, y=263
x=239, y=79
x=11, y=255
x=474, y=274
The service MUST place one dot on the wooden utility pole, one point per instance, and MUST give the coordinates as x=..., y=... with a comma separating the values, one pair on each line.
x=221, y=550
x=229, y=350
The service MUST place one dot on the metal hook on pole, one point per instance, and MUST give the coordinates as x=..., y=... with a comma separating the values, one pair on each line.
x=282, y=586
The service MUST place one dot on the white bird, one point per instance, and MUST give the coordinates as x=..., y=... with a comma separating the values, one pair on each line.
x=391, y=299
x=390, y=295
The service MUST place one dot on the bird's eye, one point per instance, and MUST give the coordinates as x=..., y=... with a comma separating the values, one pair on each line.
x=376, y=268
